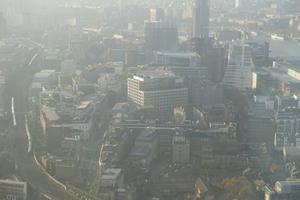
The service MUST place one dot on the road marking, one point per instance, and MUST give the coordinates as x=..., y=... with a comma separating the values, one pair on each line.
x=13, y=111
x=28, y=135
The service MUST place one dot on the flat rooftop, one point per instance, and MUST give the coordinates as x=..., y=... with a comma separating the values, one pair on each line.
x=153, y=74
x=178, y=54
x=11, y=183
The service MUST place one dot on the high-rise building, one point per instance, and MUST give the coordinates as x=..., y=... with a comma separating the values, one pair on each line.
x=13, y=190
x=201, y=19
x=161, y=36
x=13, y=11
x=239, y=71
x=216, y=62
x=260, y=53
x=213, y=56
x=237, y=3
x=2, y=89
x=3, y=25
x=157, y=14
x=160, y=89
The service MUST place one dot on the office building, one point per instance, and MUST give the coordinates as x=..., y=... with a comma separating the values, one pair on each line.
x=180, y=149
x=201, y=19
x=13, y=190
x=287, y=186
x=161, y=36
x=204, y=93
x=289, y=67
x=45, y=77
x=3, y=25
x=2, y=94
x=12, y=11
x=158, y=88
x=261, y=126
x=288, y=122
x=68, y=68
x=239, y=71
x=112, y=177
x=182, y=64
x=237, y=3
x=216, y=59
x=144, y=150
x=213, y=56
x=260, y=52
x=287, y=190
x=157, y=14
x=291, y=154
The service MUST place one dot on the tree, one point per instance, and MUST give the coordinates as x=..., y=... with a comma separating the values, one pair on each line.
x=179, y=115
x=239, y=188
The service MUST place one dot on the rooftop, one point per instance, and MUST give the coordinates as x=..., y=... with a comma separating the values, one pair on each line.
x=178, y=54
x=11, y=183
x=50, y=113
x=147, y=135
x=153, y=74
x=139, y=151
x=44, y=74
x=111, y=173
x=84, y=105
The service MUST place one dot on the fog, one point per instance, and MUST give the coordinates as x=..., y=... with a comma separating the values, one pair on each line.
x=149, y=99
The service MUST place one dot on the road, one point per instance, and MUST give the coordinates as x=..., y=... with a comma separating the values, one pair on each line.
x=29, y=170
x=17, y=88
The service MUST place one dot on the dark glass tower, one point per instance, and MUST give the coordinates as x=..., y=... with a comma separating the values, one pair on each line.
x=161, y=36
x=201, y=19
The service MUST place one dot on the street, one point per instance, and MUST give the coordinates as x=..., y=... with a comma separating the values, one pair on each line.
x=17, y=89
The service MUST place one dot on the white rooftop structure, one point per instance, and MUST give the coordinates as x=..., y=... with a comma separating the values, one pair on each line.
x=153, y=74
x=44, y=74
x=84, y=105
x=178, y=54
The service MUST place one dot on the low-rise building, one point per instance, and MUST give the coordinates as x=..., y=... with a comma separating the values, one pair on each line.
x=291, y=149
x=288, y=121
x=13, y=190
x=71, y=143
x=261, y=123
x=112, y=177
x=45, y=77
x=287, y=190
x=180, y=149
x=182, y=64
x=144, y=150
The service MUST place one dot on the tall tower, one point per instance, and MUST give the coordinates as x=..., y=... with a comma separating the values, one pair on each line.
x=237, y=3
x=12, y=11
x=201, y=19
x=3, y=25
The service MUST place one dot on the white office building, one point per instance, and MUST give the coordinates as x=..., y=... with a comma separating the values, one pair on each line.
x=160, y=89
